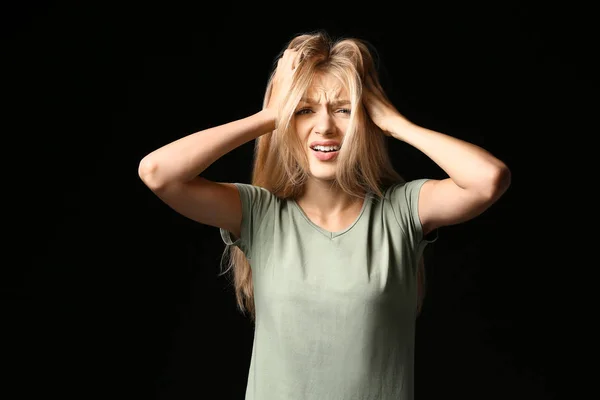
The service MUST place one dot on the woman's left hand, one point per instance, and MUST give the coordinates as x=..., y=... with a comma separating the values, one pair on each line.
x=379, y=108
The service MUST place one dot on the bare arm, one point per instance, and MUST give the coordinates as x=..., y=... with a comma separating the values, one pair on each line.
x=477, y=179
x=184, y=159
x=172, y=171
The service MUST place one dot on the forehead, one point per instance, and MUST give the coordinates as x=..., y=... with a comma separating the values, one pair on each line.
x=326, y=87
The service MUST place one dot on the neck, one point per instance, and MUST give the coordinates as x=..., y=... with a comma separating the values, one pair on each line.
x=326, y=199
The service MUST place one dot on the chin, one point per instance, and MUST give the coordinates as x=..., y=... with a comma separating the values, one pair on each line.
x=323, y=175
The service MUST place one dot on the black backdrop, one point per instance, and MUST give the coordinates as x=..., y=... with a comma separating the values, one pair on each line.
x=112, y=293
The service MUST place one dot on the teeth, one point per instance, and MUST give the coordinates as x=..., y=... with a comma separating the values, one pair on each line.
x=326, y=148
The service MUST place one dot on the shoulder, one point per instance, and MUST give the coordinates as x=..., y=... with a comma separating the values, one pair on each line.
x=254, y=189
x=403, y=202
x=404, y=191
x=254, y=193
x=257, y=200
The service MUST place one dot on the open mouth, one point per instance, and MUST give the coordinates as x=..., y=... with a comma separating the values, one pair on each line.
x=325, y=153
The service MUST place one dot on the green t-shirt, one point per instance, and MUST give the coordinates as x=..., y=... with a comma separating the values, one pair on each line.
x=335, y=311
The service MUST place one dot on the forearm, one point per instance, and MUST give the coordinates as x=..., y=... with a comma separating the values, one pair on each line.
x=185, y=158
x=468, y=165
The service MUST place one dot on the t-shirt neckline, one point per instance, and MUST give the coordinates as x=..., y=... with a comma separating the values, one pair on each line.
x=329, y=234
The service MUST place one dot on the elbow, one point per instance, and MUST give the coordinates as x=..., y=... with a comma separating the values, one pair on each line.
x=499, y=182
x=147, y=169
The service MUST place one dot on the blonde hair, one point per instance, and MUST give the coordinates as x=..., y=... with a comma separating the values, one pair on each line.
x=281, y=163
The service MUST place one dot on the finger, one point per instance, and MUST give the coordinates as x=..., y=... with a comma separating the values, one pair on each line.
x=296, y=61
x=290, y=55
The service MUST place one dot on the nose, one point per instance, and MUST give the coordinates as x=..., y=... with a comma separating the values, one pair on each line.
x=325, y=124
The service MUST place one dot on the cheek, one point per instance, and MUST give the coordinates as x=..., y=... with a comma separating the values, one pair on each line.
x=342, y=124
x=302, y=129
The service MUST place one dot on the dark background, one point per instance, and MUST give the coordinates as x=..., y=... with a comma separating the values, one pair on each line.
x=109, y=293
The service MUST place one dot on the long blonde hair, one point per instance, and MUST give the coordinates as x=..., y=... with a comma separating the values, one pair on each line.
x=281, y=162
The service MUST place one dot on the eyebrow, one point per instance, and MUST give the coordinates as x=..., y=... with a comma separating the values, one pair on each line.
x=336, y=103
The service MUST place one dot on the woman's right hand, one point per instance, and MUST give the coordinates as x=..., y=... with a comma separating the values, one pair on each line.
x=282, y=80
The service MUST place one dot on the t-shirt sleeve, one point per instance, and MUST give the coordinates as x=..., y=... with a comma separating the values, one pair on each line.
x=257, y=202
x=404, y=198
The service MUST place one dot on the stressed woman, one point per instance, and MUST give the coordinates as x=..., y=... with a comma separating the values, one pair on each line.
x=325, y=244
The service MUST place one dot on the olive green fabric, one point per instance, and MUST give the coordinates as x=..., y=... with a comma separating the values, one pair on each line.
x=335, y=311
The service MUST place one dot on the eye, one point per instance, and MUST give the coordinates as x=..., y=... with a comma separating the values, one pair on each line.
x=303, y=111
x=344, y=110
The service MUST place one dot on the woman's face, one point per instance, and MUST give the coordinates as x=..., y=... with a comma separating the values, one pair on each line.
x=322, y=117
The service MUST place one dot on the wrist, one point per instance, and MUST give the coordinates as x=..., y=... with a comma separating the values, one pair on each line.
x=396, y=126
x=269, y=117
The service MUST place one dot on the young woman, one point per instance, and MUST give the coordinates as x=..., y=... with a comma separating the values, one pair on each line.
x=325, y=242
